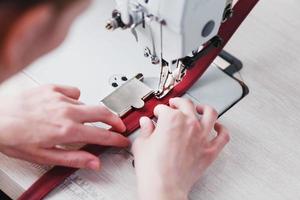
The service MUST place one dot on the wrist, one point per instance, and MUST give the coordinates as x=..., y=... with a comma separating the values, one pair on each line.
x=171, y=195
x=159, y=191
x=162, y=195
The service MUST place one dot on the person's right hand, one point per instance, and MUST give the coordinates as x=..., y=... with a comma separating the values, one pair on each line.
x=33, y=124
x=172, y=156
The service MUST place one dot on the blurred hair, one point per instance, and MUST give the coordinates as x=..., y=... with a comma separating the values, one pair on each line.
x=18, y=7
x=23, y=4
x=20, y=3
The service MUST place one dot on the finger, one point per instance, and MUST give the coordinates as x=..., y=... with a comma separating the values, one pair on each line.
x=99, y=113
x=221, y=139
x=147, y=127
x=94, y=135
x=161, y=110
x=74, y=159
x=71, y=92
x=209, y=116
x=69, y=100
x=184, y=105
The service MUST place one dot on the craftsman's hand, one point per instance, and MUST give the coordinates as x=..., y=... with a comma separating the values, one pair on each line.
x=33, y=124
x=172, y=156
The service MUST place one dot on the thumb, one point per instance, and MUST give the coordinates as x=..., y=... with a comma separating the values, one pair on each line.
x=147, y=126
x=71, y=92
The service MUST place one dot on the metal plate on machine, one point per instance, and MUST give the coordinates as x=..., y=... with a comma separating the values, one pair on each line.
x=130, y=95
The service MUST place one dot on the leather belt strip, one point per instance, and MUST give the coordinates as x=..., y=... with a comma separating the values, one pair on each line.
x=54, y=177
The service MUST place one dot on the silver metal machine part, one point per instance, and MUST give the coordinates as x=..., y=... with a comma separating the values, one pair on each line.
x=130, y=95
x=170, y=31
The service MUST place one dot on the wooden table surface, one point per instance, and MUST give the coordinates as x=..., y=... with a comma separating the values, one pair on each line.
x=263, y=157
x=262, y=160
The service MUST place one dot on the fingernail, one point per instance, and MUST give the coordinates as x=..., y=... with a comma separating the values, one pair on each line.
x=124, y=128
x=128, y=143
x=143, y=121
x=171, y=99
x=93, y=165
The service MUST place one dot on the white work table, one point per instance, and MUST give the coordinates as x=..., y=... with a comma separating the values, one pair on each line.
x=262, y=161
x=263, y=157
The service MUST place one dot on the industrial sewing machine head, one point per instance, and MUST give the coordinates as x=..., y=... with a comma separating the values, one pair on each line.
x=172, y=33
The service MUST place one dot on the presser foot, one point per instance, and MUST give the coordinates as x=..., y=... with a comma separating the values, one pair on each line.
x=170, y=78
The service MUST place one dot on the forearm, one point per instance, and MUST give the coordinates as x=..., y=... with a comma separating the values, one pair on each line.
x=148, y=191
x=162, y=197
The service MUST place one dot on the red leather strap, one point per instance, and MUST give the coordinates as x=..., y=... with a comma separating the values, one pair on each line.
x=53, y=178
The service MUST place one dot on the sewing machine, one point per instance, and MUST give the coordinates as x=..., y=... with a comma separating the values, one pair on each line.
x=172, y=35
x=114, y=41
